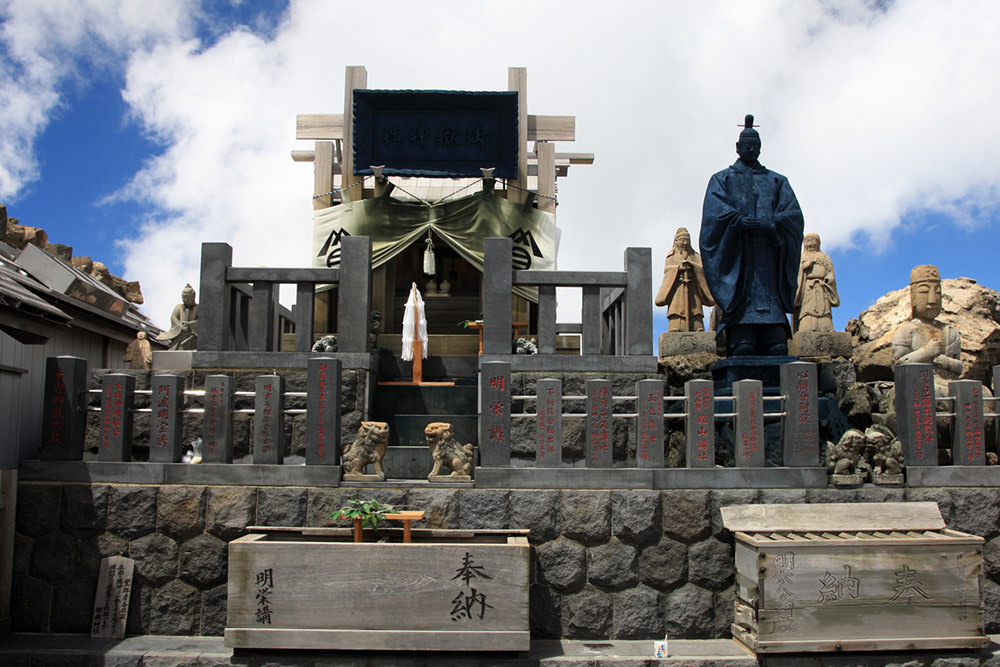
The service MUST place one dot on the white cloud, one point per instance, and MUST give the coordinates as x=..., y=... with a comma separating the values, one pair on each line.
x=47, y=45
x=872, y=113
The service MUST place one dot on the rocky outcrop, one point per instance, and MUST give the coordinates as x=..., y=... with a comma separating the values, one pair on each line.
x=18, y=236
x=971, y=308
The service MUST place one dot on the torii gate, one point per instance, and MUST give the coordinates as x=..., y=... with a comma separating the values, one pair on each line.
x=333, y=166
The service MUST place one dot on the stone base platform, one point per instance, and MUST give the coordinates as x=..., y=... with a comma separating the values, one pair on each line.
x=767, y=369
x=673, y=343
x=167, y=651
x=821, y=345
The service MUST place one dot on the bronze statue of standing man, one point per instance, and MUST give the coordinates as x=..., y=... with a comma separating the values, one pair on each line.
x=751, y=238
x=684, y=290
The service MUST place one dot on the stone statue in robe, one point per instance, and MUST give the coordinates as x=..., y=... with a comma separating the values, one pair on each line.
x=139, y=354
x=925, y=339
x=183, y=331
x=684, y=290
x=817, y=288
x=751, y=237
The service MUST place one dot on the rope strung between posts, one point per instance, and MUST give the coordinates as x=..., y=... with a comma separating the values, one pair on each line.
x=333, y=192
x=438, y=201
x=533, y=192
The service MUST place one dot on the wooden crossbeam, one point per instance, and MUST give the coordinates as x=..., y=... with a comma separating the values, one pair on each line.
x=562, y=161
x=328, y=126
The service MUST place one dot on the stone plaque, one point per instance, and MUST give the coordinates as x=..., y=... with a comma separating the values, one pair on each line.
x=269, y=419
x=801, y=422
x=748, y=427
x=217, y=426
x=548, y=405
x=700, y=423
x=165, y=428
x=64, y=415
x=114, y=586
x=117, y=400
x=916, y=414
x=494, y=396
x=599, y=429
x=649, y=423
x=967, y=428
x=323, y=412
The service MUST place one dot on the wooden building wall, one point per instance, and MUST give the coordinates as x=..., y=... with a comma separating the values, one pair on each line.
x=22, y=382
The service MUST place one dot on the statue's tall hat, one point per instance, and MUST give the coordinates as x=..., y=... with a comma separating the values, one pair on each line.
x=748, y=131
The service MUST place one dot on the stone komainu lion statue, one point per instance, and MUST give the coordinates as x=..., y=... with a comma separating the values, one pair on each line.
x=368, y=447
x=446, y=450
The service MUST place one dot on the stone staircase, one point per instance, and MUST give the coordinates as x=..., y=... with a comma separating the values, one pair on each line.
x=409, y=408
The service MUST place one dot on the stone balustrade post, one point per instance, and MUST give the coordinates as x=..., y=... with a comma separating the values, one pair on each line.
x=639, y=302
x=498, y=274
x=354, y=297
x=214, y=296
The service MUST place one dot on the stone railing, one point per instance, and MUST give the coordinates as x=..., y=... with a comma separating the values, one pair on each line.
x=795, y=409
x=744, y=422
x=617, y=316
x=168, y=402
x=239, y=310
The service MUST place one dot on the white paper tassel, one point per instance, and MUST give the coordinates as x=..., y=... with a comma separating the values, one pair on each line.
x=430, y=266
x=414, y=312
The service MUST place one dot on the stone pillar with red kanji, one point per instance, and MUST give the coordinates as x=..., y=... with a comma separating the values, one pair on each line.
x=323, y=411
x=165, y=427
x=748, y=426
x=801, y=421
x=700, y=426
x=117, y=402
x=494, y=414
x=269, y=420
x=217, y=424
x=649, y=423
x=967, y=427
x=599, y=450
x=916, y=414
x=64, y=417
x=548, y=406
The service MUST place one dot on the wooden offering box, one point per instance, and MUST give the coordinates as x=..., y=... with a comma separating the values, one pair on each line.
x=314, y=588
x=854, y=577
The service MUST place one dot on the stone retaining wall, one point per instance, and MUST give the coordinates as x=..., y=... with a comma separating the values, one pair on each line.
x=624, y=564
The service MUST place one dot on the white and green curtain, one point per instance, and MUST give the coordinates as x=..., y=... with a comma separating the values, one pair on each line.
x=393, y=225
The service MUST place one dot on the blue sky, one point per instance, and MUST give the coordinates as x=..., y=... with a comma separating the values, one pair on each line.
x=136, y=131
